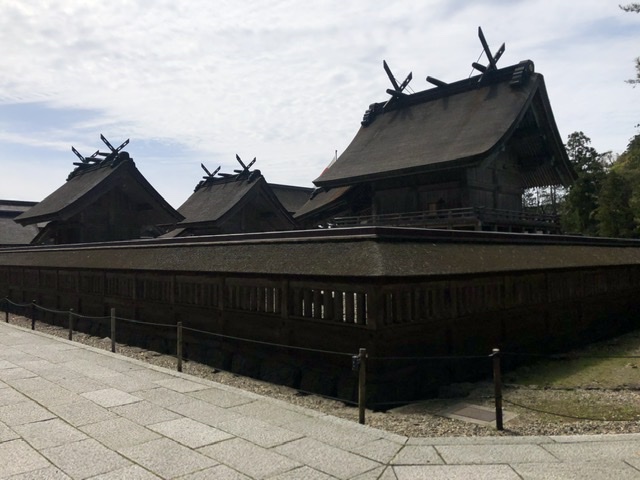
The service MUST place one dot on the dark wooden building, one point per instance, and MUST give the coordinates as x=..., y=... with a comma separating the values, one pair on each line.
x=105, y=198
x=459, y=155
x=12, y=233
x=241, y=202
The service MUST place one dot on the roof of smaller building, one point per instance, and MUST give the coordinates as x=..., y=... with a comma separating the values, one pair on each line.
x=321, y=199
x=11, y=233
x=292, y=197
x=212, y=201
x=88, y=183
x=217, y=199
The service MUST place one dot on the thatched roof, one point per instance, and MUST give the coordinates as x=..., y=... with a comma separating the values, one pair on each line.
x=373, y=252
x=217, y=201
x=83, y=188
x=292, y=197
x=12, y=233
x=457, y=125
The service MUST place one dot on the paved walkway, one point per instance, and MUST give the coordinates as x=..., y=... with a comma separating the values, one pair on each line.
x=71, y=411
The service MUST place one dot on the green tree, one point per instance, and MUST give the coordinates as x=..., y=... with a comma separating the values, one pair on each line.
x=614, y=214
x=628, y=167
x=633, y=7
x=582, y=200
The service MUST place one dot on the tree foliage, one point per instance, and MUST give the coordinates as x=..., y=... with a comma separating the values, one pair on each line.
x=582, y=200
x=605, y=199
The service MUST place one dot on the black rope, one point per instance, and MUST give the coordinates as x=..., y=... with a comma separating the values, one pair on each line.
x=44, y=309
x=141, y=322
x=561, y=356
x=18, y=304
x=451, y=357
x=229, y=337
x=573, y=417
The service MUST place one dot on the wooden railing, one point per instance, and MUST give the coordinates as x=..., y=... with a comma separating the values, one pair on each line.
x=473, y=216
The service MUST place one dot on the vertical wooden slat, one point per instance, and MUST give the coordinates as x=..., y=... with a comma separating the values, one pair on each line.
x=327, y=301
x=308, y=299
x=317, y=303
x=260, y=307
x=349, y=307
x=361, y=309
x=338, y=306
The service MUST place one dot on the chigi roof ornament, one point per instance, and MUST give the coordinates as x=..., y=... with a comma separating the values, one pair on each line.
x=239, y=174
x=111, y=158
x=487, y=72
x=397, y=91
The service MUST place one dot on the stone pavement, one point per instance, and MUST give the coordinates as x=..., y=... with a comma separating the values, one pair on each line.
x=71, y=411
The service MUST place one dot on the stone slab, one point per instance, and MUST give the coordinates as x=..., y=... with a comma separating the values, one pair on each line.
x=167, y=459
x=456, y=472
x=180, y=385
x=23, y=412
x=81, y=413
x=85, y=458
x=117, y=433
x=145, y=413
x=18, y=457
x=595, y=451
x=190, y=433
x=583, y=470
x=110, y=397
x=488, y=454
x=259, y=432
x=236, y=452
x=222, y=398
x=49, y=433
x=327, y=459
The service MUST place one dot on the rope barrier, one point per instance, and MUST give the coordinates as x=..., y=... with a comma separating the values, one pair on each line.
x=18, y=304
x=451, y=357
x=259, y=342
x=573, y=417
x=49, y=310
x=561, y=356
x=141, y=322
x=353, y=356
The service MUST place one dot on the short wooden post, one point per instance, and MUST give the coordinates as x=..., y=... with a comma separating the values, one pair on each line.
x=33, y=314
x=113, y=330
x=497, y=385
x=6, y=309
x=362, y=385
x=71, y=324
x=179, y=347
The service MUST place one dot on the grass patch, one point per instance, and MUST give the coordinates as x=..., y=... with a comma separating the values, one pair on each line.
x=600, y=365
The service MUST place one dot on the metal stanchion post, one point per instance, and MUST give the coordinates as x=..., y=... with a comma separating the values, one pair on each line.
x=113, y=330
x=362, y=385
x=71, y=324
x=33, y=315
x=497, y=384
x=179, y=347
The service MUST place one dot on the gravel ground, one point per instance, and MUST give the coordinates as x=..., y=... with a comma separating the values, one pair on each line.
x=423, y=419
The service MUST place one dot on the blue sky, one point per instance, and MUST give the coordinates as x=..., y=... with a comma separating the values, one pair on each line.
x=281, y=80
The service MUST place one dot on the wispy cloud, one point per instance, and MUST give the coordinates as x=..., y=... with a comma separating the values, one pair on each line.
x=283, y=80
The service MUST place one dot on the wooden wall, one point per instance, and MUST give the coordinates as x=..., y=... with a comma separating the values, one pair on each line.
x=536, y=312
